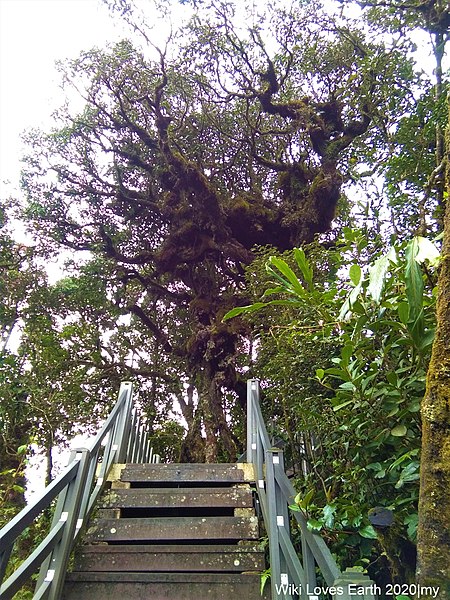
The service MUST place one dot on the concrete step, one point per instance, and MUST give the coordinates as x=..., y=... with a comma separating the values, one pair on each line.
x=167, y=558
x=174, y=473
x=186, y=497
x=173, y=528
x=162, y=586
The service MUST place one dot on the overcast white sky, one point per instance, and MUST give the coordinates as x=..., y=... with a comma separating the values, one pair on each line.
x=33, y=34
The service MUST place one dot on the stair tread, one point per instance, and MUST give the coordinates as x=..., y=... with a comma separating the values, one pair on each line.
x=162, y=548
x=163, y=586
x=129, y=576
x=151, y=558
x=178, y=497
x=182, y=528
x=174, y=472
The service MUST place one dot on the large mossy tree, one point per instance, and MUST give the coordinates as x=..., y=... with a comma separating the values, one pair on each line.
x=178, y=165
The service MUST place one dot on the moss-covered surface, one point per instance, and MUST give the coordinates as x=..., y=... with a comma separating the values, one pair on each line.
x=433, y=567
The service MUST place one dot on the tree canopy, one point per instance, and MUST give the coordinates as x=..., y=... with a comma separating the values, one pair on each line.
x=181, y=163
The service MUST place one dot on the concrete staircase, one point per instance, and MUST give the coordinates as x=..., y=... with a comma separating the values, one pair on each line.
x=178, y=531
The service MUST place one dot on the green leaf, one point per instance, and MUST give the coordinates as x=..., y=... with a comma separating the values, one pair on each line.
x=411, y=521
x=350, y=301
x=304, y=266
x=304, y=501
x=403, y=312
x=355, y=274
x=291, y=277
x=426, y=250
x=414, y=288
x=320, y=373
x=427, y=339
x=239, y=310
x=265, y=575
x=368, y=532
x=347, y=352
x=328, y=515
x=275, y=290
x=392, y=378
x=336, y=408
x=314, y=525
x=377, y=274
x=348, y=386
x=399, y=430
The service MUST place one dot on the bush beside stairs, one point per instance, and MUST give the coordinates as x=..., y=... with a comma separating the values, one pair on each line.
x=178, y=531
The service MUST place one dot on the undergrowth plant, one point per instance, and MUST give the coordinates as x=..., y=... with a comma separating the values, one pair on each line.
x=344, y=345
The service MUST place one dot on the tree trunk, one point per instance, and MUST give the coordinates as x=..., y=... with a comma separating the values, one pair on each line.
x=433, y=537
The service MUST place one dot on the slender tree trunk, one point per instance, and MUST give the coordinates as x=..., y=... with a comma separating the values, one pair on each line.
x=433, y=538
x=49, y=463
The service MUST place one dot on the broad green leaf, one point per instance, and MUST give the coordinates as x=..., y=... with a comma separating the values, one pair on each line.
x=275, y=290
x=399, y=430
x=320, y=373
x=377, y=274
x=403, y=312
x=304, y=501
x=368, y=532
x=392, y=378
x=427, y=251
x=347, y=352
x=328, y=515
x=239, y=310
x=355, y=274
x=350, y=301
x=286, y=270
x=427, y=339
x=348, y=386
x=414, y=283
x=304, y=266
x=314, y=525
x=411, y=521
x=336, y=408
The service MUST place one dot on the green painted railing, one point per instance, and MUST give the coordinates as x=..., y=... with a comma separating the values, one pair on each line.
x=123, y=438
x=290, y=576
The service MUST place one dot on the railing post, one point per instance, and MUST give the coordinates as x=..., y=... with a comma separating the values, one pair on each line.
x=124, y=422
x=285, y=579
x=252, y=397
x=309, y=564
x=276, y=577
x=68, y=511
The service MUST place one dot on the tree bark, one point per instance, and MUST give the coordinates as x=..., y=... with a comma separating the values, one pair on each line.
x=433, y=536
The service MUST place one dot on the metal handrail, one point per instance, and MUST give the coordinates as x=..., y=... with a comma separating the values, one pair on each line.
x=290, y=577
x=121, y=439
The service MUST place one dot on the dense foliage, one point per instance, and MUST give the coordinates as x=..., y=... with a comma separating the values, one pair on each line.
x=345, y=367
